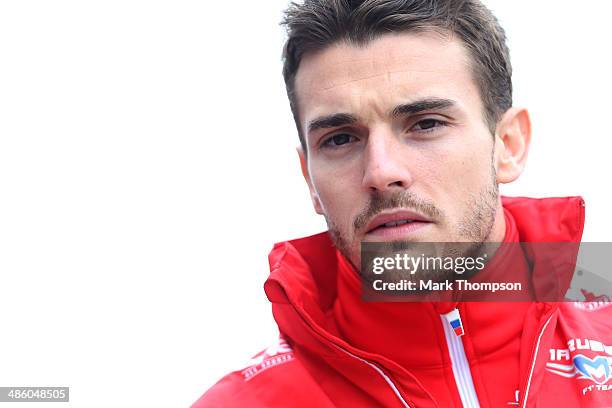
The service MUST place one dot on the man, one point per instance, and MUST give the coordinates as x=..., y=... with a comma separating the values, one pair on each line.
x=405, y=119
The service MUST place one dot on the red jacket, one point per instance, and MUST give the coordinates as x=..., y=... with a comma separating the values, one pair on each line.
x=337, y=351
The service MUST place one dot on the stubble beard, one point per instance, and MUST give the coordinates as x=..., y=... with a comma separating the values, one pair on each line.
x=474, y=228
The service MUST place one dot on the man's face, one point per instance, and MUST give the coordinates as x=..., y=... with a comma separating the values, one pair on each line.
x=397, y=145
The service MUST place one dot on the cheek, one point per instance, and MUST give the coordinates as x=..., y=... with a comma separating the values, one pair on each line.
x=477, y=162
x=339, y=194
x=457, y=172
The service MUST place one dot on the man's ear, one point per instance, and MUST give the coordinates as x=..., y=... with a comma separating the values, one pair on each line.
x=313, y=193
x=512, y=139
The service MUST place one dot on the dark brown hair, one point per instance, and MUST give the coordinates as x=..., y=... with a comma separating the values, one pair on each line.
x=316, y=24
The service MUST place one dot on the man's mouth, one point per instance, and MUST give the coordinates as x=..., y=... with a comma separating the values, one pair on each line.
x=395, y=225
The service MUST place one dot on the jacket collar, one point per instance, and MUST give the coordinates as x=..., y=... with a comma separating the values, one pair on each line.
x=305, y=273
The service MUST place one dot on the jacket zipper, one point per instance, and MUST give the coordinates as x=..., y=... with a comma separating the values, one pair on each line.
x=453, y=330
x=387, y=379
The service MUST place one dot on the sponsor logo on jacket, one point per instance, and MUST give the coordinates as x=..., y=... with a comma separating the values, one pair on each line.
x=584, y=359
x=593, y=305
x=278, y=353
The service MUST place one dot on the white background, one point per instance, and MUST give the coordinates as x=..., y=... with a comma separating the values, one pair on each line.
x=147, y=165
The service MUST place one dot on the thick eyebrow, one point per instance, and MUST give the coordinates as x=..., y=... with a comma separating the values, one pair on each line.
x=422, y=105
x=331, y=121
x=342, y=119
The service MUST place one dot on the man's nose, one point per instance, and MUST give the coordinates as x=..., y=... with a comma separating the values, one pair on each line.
x=386, y=165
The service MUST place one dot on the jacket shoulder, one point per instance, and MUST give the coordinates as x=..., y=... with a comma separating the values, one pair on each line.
x=229, y=392
x=274, y=377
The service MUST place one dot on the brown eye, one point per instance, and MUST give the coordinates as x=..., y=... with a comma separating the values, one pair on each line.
x=427, y=124
x=339, y=140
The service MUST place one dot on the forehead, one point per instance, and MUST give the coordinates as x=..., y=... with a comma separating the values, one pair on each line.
x=368, y=80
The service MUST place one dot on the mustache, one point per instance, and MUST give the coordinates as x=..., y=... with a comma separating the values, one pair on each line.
x=405, y=200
